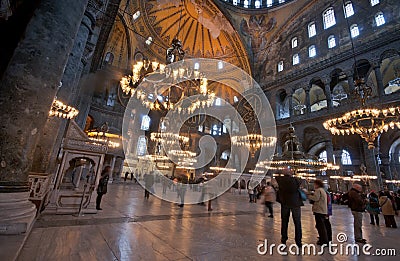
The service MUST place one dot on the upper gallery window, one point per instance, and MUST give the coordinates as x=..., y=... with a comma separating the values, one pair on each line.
x=235, y=2
x=374, y=2
x=145, y=123
x=379, y=19
x=323, y=157
x=294, y=42
x=257, y=4
x=281, y=1
x=280, y=66
x=331, y=41
x=141, y=146
x=346, y=158
x=312, y=31
x=246, y=3
x=312, y=51
x=296, y=59
x=329, y=18
x=269, y=3
x=354, y=31
x=348, y=9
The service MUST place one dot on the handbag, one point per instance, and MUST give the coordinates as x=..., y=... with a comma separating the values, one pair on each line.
x=302, y=195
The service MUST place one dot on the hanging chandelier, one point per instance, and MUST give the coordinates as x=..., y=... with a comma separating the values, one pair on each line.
x=61, y=110
x=304, y=165
x=176, y=74
x=104, y=137
x=253, y=142
x=168, y=137
x=368, y=122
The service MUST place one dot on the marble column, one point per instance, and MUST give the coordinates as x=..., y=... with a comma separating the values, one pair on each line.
x=372, y=167
x=291, y=113
x=328, y=93
x=350, y=81
x=28, y=89
x=308, y=102
x=379, y=79
x=51, y=136
x=45, y=159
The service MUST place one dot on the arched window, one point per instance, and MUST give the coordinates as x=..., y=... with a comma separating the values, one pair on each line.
x=225, y=155
x=379, y=19
x=235, y=2
x=136, y=15
x=331, y=41
x=374, y=2
x=246, y=3
x=109, y=58
x=257, y=4
x=329, y=18
x=323, y=156
x=312, y=51
x=312, y=31
x=354, y=31
x=280, y=66
x=269, y=3
x=145, y=123
x=216, y=130
x=348, y=9
x=294, y=42
x=281, y=1
x=218, y=102
x=296, y=59
x=141, y=146
x=346, y=158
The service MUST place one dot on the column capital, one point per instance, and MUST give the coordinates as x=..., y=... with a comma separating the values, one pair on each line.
x=376, y=64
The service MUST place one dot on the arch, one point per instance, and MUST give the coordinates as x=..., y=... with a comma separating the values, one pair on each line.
x=299, y=101
x=311, y=137
x=388, y=54
x=317, y=98
x=282, y=104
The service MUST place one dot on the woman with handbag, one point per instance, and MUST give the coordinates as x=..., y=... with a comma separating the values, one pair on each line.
x=102, y=187
x=388, y=209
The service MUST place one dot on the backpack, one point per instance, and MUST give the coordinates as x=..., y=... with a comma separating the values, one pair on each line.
x=345, y=199
x=373, y=203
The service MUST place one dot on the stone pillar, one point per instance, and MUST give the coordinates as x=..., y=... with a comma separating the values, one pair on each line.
x=28, y=89
x=308, y=102
x=112, y=165
x=329, y=151
x=350, y=81
x=372, y=167
x=54, y=125
x=328, y=93
x=379, y=79
x=291, y=103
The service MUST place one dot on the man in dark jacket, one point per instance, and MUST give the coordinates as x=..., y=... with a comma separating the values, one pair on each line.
x=290, y=199
x=357, y=206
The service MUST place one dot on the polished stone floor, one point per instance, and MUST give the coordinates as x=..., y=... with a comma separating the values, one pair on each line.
x=132, y=228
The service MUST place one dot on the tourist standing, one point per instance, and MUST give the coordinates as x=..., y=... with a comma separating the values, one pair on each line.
x=148, y=184
x=357, y=206
x=290, y=199
x=320, y=210
x=269, y=198
x=388, y=210
x=102, y=186
x=373, y=208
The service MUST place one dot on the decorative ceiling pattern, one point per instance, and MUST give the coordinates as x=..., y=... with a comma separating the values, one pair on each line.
x=200, y=25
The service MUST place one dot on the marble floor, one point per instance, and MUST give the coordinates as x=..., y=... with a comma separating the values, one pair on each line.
x=132, y=228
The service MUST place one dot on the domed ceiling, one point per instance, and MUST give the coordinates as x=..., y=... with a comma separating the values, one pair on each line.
x=199, y=24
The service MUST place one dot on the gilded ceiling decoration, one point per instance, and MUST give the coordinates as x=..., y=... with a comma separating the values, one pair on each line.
x=203, y=29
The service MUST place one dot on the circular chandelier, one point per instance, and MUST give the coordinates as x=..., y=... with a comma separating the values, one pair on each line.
x=168, y=137
x=253, y=142
x=61, y=110
x=177, y=74
x=112, y=140
x=367, y=122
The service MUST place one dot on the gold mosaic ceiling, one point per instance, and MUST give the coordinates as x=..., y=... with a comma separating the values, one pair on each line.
x=200, y=25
